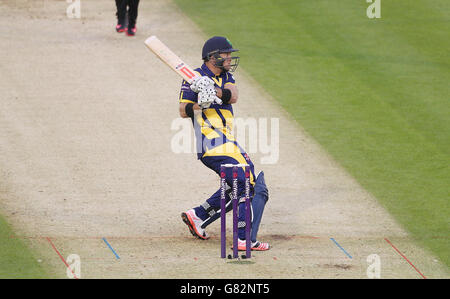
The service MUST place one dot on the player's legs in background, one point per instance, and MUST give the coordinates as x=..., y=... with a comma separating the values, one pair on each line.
x=132, y=16
x=121, y=6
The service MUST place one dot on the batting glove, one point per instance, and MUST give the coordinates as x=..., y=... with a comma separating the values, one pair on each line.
x=202, y=83
x=207, y=97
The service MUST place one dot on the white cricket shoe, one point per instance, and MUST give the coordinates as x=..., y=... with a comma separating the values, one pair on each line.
x=194, y=223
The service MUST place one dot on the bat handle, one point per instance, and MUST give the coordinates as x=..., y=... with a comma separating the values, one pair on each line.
x=192, y=79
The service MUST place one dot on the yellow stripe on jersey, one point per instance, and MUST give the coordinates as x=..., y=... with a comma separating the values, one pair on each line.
x=209, y=133
x=206, y=130
x=218, y=82
x=186, y=101
x=214, y=119
x=229, y=118
x=229, y=149
x=199, y=119
x=181, y=96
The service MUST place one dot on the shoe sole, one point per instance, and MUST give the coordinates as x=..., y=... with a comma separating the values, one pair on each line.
x=187, y=221
x=256, y=249
x=131, y=34
x=253, y=249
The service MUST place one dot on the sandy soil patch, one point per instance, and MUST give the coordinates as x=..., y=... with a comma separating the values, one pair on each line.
x=85, y=131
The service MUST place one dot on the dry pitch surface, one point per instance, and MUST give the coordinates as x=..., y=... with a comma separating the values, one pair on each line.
x=87, y=166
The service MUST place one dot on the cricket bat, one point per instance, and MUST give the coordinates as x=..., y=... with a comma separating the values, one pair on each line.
x=170, y=58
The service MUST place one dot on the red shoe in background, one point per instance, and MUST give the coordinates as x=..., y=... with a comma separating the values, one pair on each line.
x=131, y=31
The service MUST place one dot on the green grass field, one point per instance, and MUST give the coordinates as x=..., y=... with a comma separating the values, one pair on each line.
x=373, y=92
x=16, y=260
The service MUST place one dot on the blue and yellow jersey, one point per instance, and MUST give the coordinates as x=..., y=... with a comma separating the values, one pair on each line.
x=215, y=124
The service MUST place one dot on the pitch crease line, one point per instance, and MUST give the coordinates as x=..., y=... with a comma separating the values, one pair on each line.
x=404, y=257
x=340, y=247
x=110, y=247
x=60, y=256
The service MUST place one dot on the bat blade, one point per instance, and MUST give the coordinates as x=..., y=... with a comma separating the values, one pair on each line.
x=170, y=58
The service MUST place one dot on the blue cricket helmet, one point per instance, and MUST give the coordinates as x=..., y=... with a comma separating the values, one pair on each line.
x=216, y=45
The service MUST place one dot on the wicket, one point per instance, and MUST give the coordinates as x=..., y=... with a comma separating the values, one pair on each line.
x=234, y=199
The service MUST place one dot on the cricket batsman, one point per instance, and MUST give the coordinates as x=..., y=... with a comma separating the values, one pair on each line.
x=208, y=101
